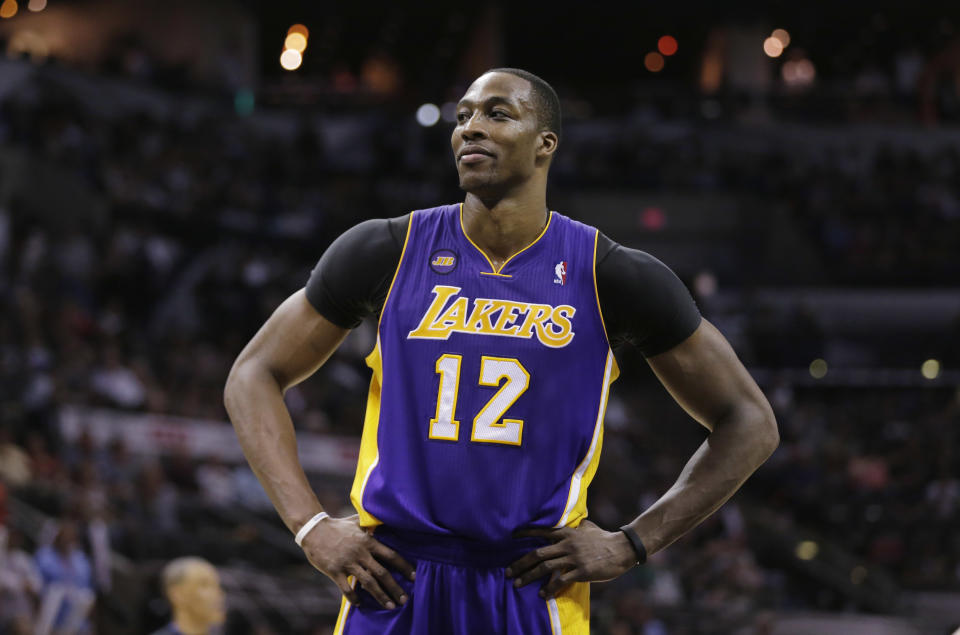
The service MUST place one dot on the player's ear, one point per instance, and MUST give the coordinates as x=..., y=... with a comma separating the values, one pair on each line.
x=547, y=144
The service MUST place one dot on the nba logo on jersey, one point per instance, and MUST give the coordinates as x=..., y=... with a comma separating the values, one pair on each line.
x=561, y=273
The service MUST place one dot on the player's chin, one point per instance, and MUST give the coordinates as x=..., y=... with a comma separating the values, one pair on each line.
x=476, y=182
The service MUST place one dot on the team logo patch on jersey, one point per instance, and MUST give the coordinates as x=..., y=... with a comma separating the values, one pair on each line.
x=443, y=261
x=560, y=273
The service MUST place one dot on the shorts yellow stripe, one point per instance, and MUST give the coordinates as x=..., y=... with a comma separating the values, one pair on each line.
x=342, y=617
x=344, y=608
x=573, y=609
x=554, y=612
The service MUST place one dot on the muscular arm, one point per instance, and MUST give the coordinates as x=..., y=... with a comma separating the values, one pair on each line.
x=294, y=342
x=290, y=347
x=646, y=305
x=704, y=375
x=297, y=339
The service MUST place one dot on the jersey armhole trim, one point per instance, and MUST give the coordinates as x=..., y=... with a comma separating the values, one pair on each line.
x=596, y=294
x=396, y=272
x=596, y=291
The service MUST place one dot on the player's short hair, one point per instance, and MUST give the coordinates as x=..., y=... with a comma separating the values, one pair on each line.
x=176, y=570
x=544, y=96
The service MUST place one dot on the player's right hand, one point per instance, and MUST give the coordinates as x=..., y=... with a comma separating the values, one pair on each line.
x=339, y=547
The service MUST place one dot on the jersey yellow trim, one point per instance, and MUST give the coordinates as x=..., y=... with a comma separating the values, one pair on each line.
x=369, y=450
x=575, y=508
x=499, y=275
x=396, y=272
x=596, y=293
x=495, y=270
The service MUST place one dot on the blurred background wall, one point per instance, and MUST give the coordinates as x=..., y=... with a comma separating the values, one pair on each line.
x=171, y=171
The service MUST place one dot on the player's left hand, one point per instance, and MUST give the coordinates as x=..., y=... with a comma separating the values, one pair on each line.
x=585, y=554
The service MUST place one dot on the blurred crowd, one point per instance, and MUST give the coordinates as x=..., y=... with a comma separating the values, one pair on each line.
x=92, y=508
x=868, y=476
x=869, y=473
x=184, y=234
x=179, y=235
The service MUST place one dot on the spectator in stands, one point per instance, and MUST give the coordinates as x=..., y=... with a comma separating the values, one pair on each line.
x=196, y=598
x=14, y=462
x=46, y=467
x=68, y=584
x=20, y=585
x=216, y=482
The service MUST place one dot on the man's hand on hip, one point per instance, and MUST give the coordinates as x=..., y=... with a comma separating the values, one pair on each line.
x=585, y=554
x=339, y=547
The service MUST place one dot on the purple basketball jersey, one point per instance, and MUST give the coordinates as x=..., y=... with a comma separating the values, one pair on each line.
x=489, y=385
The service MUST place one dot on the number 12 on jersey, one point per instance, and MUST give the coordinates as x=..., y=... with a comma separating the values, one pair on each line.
x=489, y=425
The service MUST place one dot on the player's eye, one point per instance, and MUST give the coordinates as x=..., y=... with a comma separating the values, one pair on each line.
x=498, y=113
x=462, y=116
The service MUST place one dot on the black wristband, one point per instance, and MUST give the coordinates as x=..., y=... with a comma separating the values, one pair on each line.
x=637, y=544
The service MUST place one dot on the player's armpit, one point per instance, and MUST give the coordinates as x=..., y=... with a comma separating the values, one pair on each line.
x=704, y=376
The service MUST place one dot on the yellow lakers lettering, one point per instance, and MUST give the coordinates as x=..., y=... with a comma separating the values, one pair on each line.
x=442, y=261
x=450, y=312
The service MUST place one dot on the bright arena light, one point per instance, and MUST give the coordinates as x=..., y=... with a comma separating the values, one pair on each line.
x=296, y=41
x=818, y=368
x=291, y=59
x=781, y=36
x=37, y=5
x=772, y=47
x=807, y=550
x=667, y=45
x=428, y=115
x=8, y=9
x=653, y=62
x=798, y=72
x=930, y=369
x=299, y=28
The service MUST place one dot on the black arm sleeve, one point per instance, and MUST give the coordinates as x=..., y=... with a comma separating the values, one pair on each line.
x=643, y=302
x=351, y=280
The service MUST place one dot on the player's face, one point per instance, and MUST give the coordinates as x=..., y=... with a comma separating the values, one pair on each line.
x=201, y=595
x=497, y=135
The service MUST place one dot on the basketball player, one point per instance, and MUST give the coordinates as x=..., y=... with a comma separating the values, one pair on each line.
x=491, y=372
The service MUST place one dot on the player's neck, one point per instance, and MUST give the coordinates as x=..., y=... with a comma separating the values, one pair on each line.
x=504, y=227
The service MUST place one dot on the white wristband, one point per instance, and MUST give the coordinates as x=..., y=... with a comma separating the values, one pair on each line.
x=307, y=526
